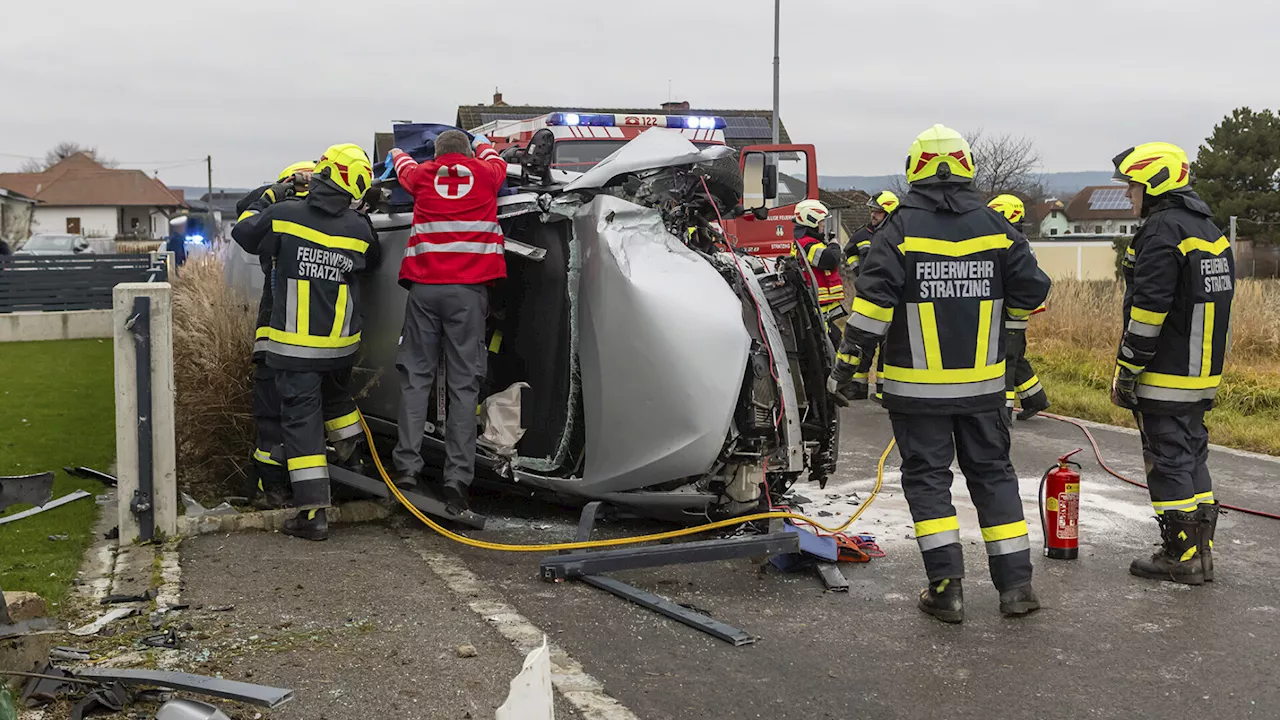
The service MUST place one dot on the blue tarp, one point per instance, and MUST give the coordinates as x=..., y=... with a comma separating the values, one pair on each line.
x=419, y=141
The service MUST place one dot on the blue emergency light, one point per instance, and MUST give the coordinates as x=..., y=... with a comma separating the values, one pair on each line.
x=693, y=122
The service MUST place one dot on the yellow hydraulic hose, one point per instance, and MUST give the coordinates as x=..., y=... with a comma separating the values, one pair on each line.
x=551, y=547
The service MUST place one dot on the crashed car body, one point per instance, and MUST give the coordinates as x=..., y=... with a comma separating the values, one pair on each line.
x=663, y=373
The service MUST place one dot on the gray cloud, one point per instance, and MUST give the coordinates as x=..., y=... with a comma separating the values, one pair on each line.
x=261, y=85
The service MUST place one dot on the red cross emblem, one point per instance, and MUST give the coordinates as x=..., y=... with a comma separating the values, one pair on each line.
x=453, y=181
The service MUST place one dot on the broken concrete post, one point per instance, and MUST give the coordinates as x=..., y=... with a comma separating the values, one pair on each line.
x=164, y=494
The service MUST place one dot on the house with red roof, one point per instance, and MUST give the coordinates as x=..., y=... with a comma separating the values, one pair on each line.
x=80, y=196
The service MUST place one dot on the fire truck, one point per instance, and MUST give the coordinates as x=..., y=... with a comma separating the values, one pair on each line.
x=787, y=173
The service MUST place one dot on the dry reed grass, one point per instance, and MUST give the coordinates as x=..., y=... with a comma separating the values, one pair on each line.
x=212, y=348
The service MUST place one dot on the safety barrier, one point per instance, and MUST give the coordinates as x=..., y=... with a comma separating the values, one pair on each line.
x=50, y=283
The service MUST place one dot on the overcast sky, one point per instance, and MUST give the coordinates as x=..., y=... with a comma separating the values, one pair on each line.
x=259, y=85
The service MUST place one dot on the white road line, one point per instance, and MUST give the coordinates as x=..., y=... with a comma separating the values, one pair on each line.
x=578, y=687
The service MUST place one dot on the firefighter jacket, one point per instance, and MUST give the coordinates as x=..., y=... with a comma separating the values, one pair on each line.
x=936, y=285
x=859, y=245
x=824, y=258
x=456, y=238
x=263, y=324
x=1179, y=276
x=317, y=245
x=1019, y=322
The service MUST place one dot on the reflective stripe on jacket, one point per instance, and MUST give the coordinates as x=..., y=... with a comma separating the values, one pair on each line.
x=936, y=285
x=824, y=258
x=1179, y=286
x=456, y=238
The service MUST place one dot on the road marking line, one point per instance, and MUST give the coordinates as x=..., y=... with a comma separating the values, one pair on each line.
x=578, y=687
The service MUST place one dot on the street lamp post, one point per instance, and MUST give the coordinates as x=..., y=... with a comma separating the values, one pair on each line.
x=777, y=18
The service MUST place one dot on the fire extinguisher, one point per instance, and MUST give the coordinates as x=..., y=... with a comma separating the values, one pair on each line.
x=1060, y=509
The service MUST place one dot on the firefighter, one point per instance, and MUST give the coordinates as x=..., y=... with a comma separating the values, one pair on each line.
x=809, y=230
x=1179, y=282
x=940, y=276
x=317, y=245
x=881, y=206
x=455, y=253
x=1021, y=383
x=272, y=480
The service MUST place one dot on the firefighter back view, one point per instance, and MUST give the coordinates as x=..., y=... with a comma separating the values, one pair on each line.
x=317, y=245
x=935, y=286
x=1021, y=382
x=1179, y=275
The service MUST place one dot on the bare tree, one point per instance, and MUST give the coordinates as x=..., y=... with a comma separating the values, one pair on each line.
x=1006, y=163
x=62, y=151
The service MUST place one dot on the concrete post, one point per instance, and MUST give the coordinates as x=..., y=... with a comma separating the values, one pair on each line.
x=164, y=498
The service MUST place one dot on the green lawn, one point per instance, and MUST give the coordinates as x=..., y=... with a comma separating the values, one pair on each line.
x=57, y=408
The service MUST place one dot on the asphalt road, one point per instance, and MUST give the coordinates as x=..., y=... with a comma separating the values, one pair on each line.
x=1106, y=645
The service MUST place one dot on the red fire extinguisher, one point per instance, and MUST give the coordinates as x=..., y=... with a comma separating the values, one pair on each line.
x=1060, y=509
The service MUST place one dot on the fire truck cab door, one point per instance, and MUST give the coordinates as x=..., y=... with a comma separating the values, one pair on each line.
x=775, y=178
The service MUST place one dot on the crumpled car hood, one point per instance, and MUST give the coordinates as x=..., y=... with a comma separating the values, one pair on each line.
x=654, y=148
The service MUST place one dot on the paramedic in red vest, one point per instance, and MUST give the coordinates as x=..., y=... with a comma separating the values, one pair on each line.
x=824, y=257
x=453, y=256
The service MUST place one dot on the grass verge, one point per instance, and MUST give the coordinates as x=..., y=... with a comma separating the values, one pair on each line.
x=57, y=408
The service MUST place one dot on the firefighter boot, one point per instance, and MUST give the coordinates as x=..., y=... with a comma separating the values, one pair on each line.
x=944, y=601
x=1208, y=516
x=1176, y=561
x=273, y=490
x=1033, y=405
x=1021, y=600
x=308, y=525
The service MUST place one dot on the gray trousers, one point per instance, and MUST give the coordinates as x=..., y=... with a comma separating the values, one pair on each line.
x=449, y=318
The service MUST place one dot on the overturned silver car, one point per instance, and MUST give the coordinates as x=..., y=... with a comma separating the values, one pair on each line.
x=652, y=367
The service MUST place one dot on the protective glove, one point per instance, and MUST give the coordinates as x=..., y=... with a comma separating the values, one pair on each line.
x=1124, y=388
x=848, y=381
x=479, y=140
x=389, y=165
x=279, y=191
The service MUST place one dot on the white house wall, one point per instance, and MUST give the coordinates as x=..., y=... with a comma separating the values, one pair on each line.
x=99, y=221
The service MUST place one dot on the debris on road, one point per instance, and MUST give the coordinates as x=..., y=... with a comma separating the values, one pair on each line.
x=182, y=709
x=69, y=653
x=68, y=498
x=59, y=537
x=26, y=489
x=194, y=509
x=531, y=696
x=116, y=599
x=96, y=626
x=467, y=651
x=166, y=640
x=260, y=695
x=88, y=473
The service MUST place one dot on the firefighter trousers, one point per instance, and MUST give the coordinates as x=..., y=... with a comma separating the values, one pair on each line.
x=314, y=406
x=266, y=420
x=448, y=318
x=980, y=441
x=1021, y=381
x=1175, y=449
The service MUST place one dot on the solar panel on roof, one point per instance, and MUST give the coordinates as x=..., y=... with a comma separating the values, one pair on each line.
x=747, y=126
x=1109, y=199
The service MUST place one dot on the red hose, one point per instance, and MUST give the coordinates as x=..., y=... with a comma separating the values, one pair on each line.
x=1097, y=453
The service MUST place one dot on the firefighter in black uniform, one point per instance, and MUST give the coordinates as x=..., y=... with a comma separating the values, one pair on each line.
x=936, y=285
x=272, y=480
x=881, y=205
x=1021, y=382
x=1179, y=276
x=318, y=245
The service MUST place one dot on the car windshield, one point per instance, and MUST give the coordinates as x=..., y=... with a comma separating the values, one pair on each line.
x=582, y=155
x=50, y=242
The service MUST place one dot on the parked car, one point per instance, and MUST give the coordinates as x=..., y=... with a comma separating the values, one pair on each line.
x=56, y=244
x=655, y=368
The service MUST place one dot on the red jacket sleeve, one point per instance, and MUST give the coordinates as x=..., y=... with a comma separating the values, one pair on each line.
x=494, y=165
x=407, y=172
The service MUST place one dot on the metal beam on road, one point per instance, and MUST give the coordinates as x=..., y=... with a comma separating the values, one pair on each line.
x=663, y=606
x=556, y=568
x=428, y=505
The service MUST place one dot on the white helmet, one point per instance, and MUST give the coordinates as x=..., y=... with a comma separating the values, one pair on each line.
x=810, y=213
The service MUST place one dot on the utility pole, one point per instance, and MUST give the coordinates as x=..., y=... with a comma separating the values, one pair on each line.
x=211, y=229
x=777, y=21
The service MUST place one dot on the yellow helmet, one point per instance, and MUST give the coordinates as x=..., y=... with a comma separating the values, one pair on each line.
x=941, y=153
x=294, y=169
x=1009, y=206
x=810, y=212
x=348, y=167
x=885, y=200
x=1159, y=166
